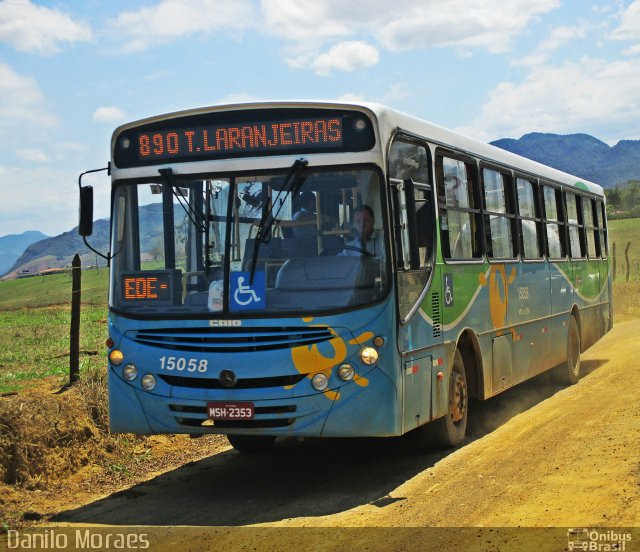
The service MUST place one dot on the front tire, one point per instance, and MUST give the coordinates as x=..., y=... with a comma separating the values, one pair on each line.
x=251, y=443
x=449, y=431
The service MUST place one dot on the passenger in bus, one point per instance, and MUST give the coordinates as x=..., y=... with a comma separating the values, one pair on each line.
x=306, y=213
x=365, y=241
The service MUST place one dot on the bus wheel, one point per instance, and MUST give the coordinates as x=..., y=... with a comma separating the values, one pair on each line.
x=251, y=443
x=449, y=431
x=569, y=372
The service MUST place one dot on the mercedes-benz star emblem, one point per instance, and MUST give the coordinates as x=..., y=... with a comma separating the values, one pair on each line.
x=228, y=378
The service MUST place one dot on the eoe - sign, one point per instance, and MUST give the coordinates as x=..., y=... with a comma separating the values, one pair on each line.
x=248, y=133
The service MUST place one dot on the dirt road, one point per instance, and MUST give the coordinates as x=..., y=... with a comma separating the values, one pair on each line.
x=539, y=455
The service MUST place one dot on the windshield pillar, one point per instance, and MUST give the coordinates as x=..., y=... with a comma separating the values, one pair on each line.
x=167, y=212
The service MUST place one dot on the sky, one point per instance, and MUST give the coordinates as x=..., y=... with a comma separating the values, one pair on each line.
x=72, y=71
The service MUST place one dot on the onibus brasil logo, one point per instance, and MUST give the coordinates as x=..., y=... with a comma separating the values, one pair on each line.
x=597, y=539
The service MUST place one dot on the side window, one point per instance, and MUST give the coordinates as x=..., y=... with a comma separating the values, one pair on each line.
x=459, y=212
x=576, y=247
x=554, y=222
x=409, y=160
x=499, y=214
x=529, y=210
x=590, y=231
x=602, y=229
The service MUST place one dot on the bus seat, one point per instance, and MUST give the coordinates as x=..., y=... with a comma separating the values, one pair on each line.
x=268, y=250
x=315, y=281
x=299, y=247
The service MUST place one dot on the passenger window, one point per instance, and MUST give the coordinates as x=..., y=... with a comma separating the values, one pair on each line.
x=459, y=213
x=602, y=230
x=554, y=224
x=575, y=229
x=529, y=219
x=500, y=217
x=590, y=231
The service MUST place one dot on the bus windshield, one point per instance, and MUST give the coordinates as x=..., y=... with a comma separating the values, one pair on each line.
x=249, y=244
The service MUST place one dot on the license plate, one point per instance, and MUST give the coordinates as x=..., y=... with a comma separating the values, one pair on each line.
x=230, y=410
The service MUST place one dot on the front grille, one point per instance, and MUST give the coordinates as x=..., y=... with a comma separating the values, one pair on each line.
x=241, y=383
x=239, y=424
x=231, y=340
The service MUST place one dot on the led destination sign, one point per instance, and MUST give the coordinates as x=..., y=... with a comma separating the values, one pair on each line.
x=242, y=134
x=149, y=287
x=254, y=138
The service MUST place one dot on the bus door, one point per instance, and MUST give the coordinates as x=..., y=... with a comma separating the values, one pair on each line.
x=419, y=328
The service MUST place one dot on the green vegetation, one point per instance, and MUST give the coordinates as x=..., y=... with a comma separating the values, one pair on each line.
x=623, y=201
x=35, y=316
x=621, y=233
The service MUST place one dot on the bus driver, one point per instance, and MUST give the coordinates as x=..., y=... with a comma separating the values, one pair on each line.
x=365, y=241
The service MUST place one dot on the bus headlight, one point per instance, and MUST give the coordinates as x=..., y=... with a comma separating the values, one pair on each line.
x=148, y=382
x=116, y=357
x=320, y=382
x=369, y=355
x=346, y=372
x=130, y=372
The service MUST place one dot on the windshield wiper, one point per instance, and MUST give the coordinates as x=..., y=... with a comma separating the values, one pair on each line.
x=196, y=217
x=292, y=183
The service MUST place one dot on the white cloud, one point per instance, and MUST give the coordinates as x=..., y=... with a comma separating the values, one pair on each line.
x=346, y=56
x=33, y=155
x=629, y=28
x=596, y=96
x=309, y=26
x=239, y=97
x=108, y=114
x=350, y=97
x=557, y=38
x=42, y=198
x=21, y=99
x=462, y=24
x=171, y=19
x=32, y=28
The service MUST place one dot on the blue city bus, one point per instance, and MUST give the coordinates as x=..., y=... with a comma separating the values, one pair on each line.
x=324, y=269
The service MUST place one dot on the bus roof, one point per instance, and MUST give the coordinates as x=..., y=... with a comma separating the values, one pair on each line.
x=389, y=120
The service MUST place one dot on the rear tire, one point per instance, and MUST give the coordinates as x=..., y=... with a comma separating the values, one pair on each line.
x=251, y=443
x=449, y=431
x=569, y=372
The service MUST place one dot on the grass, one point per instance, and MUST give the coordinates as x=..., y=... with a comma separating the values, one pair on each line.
x=35, y=317
x=621, y=232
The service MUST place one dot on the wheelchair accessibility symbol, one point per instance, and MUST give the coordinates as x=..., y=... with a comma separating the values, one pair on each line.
x=246, y=296
x=448, y=290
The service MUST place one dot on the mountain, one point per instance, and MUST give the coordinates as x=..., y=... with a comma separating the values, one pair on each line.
x=58, y=251
x=581, y=155
x=13, y=245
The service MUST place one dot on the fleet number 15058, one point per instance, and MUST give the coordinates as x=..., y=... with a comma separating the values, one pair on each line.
x=181, y=364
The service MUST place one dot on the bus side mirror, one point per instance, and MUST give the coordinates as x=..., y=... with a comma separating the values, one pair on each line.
x=85, y=226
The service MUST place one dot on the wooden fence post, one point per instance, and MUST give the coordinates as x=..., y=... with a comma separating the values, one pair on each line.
x=615, y=262
x=626, y=258
x=74, y=335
